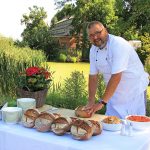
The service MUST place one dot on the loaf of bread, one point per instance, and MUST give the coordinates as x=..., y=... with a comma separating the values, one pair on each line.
x=82, y=129
x=29, y=117
x=97, y=127
x=44, y=121
x=80, y=112
x=61, y=125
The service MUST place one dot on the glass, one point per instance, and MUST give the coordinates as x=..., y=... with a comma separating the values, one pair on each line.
x=97, y=33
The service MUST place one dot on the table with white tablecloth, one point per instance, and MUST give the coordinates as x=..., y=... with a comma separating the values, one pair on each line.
x=17, y=137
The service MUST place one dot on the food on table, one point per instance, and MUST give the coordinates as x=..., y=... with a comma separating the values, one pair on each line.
x=97, y=127
x=56, y=115
x=44, y=121
x=29, y=117
x=112, y=120
x=82, y=129
x=73, y=119
x=61, y=125
x=80, y=112
x=139, y=118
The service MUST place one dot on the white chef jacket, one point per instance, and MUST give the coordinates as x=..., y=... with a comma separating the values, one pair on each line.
x=120, y=56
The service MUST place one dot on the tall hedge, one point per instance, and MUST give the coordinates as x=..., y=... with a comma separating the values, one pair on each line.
x=14, y=60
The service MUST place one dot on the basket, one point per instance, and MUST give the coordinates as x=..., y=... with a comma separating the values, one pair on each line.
x=39, y=96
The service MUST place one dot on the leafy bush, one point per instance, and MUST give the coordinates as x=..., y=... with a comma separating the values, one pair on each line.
x=147, y=64
x=101, y=86
x=62, y=57
x=74, y=90
x=73, y=59
x=144, y=51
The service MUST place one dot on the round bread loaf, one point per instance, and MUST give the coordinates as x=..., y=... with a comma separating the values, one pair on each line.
x=97, y=127
x=44, y=121
x=79, y=112
x=82, y=129
x=29, y=117
x=61, y=125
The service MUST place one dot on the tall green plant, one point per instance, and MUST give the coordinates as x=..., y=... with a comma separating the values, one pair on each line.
x=101, y=86
x=74, y=89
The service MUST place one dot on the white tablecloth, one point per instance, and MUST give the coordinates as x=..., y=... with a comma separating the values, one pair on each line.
x=17, y=137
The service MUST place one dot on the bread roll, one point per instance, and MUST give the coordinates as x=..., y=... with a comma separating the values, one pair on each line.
x=28, y=119
x=61, y=125
x=97, y=127
x=44, y=121
x=79, y=112
x=112, y=120
x=82, y=129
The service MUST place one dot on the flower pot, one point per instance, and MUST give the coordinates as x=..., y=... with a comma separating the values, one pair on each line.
x=39, y=96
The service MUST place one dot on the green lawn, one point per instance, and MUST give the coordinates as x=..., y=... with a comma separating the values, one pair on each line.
x=63, y=70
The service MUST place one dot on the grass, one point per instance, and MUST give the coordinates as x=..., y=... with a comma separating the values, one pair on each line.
x=63, y=70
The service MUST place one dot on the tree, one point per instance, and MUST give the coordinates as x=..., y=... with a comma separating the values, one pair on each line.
x=66, y=12
x=37, y=33
x=134, y=17
x=35, y=28
x=89, y=10
x=60, y=3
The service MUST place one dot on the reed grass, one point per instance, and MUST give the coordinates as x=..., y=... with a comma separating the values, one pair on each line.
x=14, y=60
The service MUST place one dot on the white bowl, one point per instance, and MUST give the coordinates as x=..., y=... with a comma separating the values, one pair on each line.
x=137, y=122
x=5, y=105
x=111, y=127
x=26, y=103
x=11, y=115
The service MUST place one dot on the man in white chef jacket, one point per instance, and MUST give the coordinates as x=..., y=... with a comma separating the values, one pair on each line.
x=124, y=75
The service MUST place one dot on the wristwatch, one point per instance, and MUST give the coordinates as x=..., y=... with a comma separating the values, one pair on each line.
x=102, y=102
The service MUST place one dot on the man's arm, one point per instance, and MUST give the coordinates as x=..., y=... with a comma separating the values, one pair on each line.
x=110, y=90
x=111, y=86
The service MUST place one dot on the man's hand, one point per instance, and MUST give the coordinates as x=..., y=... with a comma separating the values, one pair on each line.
x=92, y=108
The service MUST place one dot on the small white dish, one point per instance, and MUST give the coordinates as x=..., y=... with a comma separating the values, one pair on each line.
x=11, y=115
x=5, y=105
x=111, y=127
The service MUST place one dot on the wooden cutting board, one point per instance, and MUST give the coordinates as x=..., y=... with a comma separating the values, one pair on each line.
x=71, y=113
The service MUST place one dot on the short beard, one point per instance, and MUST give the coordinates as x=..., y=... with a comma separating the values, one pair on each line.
x=103, y=43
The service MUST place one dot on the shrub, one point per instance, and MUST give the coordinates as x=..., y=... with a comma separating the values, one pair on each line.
x=101, y=86
x=147, y=65
x=73, y=59
x=144, y=51
x=62, y=57
x=74, y=90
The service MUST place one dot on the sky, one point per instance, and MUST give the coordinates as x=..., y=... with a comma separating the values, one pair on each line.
x=11, y=12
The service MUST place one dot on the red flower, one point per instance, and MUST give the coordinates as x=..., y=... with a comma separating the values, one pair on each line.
x=47, y=74
x=32, y=70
